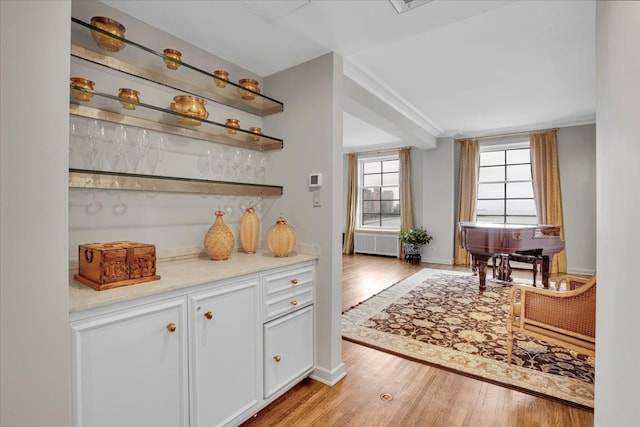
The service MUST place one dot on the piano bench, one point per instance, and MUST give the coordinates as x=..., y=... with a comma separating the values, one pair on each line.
x=528, y=257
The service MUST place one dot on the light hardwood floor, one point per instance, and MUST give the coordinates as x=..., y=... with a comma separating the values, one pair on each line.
x=421, y=395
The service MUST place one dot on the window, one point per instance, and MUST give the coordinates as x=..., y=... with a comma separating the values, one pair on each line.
x=505, y=189
x=379, y=193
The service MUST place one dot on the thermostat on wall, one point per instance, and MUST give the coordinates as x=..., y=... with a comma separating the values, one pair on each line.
x=315, y=180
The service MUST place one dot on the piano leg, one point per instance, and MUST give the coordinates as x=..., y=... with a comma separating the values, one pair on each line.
x=546, y=263
x=481, y=264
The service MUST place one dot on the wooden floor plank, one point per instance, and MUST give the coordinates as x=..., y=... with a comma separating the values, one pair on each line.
x=422, y=395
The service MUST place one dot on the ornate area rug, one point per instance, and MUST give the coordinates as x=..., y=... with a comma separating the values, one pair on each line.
x=441, y=318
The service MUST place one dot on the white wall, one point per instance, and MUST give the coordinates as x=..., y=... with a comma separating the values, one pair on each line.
x=439, y=185
x=618, y=198
x=34, y=310
x=311, y=126
x=577, y=157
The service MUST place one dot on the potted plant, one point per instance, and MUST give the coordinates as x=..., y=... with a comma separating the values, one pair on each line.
x=413, y=239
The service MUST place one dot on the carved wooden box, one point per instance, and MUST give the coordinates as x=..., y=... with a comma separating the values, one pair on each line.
x=111, y=265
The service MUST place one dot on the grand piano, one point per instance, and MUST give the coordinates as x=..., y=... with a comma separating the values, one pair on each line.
x=484, y=241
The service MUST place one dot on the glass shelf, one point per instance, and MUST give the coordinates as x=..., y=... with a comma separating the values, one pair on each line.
x=149, y=64
x=103, y=106
x=82, y=178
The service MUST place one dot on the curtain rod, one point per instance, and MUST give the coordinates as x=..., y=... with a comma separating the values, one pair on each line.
x=381, y=151
x=504, y=135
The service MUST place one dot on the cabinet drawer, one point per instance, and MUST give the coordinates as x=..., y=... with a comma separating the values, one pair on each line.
x=287, y=291
x=288, y=301
x=289, y=279
x=288, y=350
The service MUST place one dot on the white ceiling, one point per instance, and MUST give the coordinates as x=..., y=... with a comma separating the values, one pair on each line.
x=445, y=68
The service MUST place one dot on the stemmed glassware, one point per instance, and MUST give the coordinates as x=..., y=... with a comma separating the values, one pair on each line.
x=75, y=139
x=153, y=157
x=204, y=163
x=261, y=168
x=247, y=169
x=136, y=150
x=115, y=152
x=155, y=153
x=218, y=164
x=91, y=149
x=234, y=158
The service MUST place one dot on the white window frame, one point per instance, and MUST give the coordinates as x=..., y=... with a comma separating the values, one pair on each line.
x=487, y=147
x=361, y=161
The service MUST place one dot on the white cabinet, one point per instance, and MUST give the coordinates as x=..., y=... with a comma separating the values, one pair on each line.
x=130, y=367
x=207, y=355
x=288, y=297
x=288, y=349
x=225, y=348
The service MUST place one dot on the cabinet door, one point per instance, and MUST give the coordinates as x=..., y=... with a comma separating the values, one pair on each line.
x=129, y=368
x=225, y=352
x=288, y=349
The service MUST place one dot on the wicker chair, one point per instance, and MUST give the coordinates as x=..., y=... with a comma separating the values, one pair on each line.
x=566, y=318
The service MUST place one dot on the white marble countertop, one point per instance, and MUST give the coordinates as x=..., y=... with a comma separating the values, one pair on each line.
x=180, y=274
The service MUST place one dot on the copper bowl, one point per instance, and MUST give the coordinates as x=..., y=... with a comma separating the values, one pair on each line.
x=232, y=125
x=82, y=88
x=129, y=98
x=172, y=58
x=105, y=41
x=250, y=84
x=222, y=79
x=192, y=106
x=254, y=134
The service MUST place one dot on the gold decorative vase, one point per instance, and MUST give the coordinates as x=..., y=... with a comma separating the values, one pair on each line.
x=192, y=106
x=281, y=238
x=219, y=240
x=254, y=134
x=128, y=98
x=172, y=58
x=81, y=88
x=232, y=125
x=249, y=230
x=105, y=41
x=250, y=84
x=222, y=79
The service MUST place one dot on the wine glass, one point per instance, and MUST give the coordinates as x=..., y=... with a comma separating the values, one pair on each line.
x=235, y=157
x=92, y=150
x=115, y=151
x=261, y=168
x=218, y=164
x=155, y=153
x=204, y=163
x=76, y=138
x=247, y=169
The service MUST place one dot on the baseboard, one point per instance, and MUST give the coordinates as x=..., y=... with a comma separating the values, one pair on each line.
x=329, y=378
x=582, y=271
x=448, y=261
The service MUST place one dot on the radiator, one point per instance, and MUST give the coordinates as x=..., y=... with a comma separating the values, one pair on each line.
x=376, y=244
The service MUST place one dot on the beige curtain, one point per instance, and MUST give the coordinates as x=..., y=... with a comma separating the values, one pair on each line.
x=352, y=201
x=406, y=202
x=467, y=192
x=546, y=186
